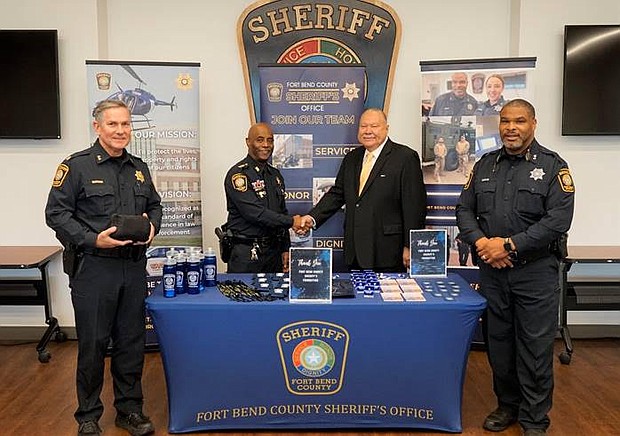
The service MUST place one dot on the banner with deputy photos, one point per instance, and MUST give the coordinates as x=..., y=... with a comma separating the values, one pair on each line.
x=460, y=105
x=314, y=111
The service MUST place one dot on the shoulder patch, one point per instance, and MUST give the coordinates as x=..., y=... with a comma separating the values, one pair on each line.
x=60, y=176
x=566, y=181
x=471, y=175
x=240, y=182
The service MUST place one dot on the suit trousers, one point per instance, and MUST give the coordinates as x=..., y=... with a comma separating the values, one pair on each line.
x=521, y=324
x=108, y=299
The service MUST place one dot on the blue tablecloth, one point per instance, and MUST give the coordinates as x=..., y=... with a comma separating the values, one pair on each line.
x=358, y=362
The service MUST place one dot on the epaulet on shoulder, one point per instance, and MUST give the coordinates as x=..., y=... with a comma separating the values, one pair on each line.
x=243, y=166
x=77, y=154
x=492, y=152
x=545, y=150
x=138, y=158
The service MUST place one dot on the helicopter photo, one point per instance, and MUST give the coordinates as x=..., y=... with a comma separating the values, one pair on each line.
x=139, y=101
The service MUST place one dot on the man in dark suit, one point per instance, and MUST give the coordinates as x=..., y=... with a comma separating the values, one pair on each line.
x=381, y=185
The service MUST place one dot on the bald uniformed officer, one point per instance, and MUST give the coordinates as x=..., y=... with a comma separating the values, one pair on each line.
x=457, y=102
x=515, y=207
x=107, y=276
x=257, y=215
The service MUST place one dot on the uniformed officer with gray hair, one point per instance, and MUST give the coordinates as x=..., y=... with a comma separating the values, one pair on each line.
x=107, y=276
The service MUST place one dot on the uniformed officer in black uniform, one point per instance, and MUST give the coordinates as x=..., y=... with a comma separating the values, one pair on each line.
x=516, y=205
x=107, y=276
x=457, y=102
x=493, y=105
x=257, y=215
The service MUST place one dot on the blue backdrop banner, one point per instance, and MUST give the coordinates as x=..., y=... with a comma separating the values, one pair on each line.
x=314, y=111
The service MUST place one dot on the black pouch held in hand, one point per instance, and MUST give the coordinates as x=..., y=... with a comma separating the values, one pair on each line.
x=131, y=227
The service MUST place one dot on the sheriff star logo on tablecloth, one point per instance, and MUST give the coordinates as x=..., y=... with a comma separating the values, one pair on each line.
x=313, y=356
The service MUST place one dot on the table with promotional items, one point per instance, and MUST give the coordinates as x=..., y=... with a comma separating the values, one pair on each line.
x=353, y=363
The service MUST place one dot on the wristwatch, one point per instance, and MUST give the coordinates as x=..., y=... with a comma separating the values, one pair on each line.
x=508, y=245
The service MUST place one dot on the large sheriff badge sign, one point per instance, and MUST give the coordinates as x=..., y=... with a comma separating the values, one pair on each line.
x=348, y=32
x=313, y=356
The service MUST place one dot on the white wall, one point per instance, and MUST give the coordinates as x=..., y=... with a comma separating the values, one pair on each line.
x=205, y=32
x=27, y=167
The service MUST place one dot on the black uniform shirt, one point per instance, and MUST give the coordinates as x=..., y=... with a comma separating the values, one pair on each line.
x=529, y=198
x=450, y=105
x=255, y=200
x=90, y=186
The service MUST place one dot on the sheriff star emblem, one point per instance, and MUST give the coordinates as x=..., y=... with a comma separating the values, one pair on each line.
x=350, y=91
x=537, y=174
x=139, y=176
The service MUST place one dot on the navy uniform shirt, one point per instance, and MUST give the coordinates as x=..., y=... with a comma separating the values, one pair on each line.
x=449, y=105
x=487, y=109
x=255, y=200
x=529, y=198
x=90, y=186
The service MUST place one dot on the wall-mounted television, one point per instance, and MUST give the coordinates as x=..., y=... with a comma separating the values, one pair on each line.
x=591, y=97
x=29, y=84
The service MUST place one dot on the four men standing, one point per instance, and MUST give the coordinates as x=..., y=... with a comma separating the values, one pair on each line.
x=515, y=207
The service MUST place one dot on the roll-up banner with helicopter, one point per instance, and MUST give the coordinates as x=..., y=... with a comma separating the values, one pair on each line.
x=164, y=102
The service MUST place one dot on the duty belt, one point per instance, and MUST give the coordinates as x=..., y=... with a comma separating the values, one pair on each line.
x=532, y=256
x=126, y=252
x=246, y=240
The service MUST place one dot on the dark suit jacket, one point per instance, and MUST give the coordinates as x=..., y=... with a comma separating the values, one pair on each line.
x=378, y=221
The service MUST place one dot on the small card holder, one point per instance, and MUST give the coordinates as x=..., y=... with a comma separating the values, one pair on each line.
x=131, y=227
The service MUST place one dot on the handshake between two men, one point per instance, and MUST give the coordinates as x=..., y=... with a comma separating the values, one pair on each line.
x=302, y=224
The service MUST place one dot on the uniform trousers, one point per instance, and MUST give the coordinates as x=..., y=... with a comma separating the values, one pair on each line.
x=269, y=259
x=521, y=324
x=108, y=299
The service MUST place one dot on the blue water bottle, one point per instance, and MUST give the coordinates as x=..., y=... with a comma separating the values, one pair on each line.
x=210, y=268
x=181, y=279
x=201, y=258
x=193, y=274
x=169, y=277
